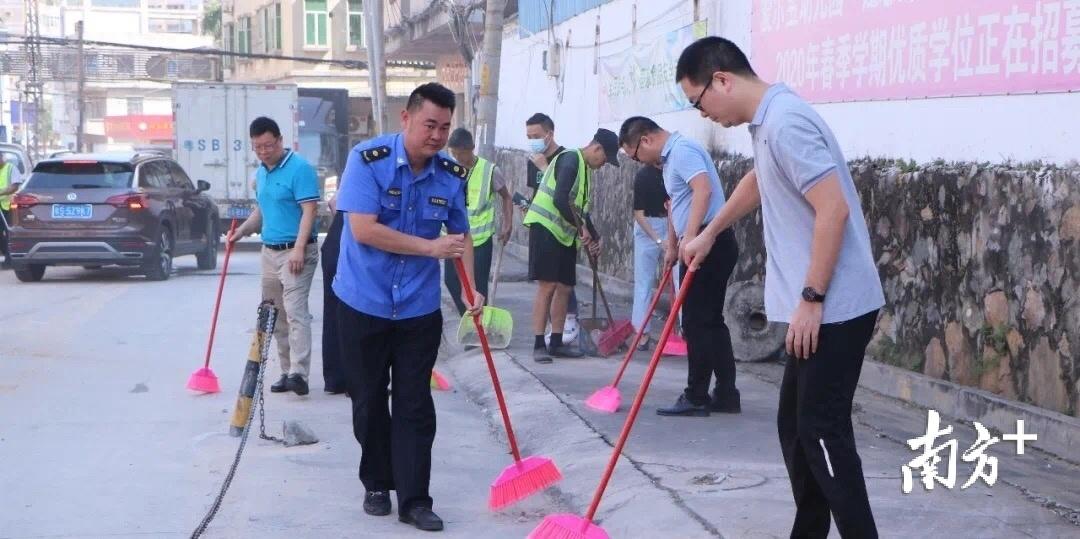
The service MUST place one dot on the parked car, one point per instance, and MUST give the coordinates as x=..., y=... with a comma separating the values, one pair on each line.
x=125, y=209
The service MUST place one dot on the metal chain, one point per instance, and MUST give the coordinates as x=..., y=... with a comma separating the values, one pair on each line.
x=267, y=330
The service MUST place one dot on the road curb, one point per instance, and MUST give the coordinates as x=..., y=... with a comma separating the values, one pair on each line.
x=1058, y=434
x=544, y=425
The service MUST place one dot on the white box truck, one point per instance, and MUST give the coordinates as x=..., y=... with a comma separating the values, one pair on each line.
x=211, y=136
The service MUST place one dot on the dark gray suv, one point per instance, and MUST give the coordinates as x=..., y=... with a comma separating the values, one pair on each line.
x=126, y=209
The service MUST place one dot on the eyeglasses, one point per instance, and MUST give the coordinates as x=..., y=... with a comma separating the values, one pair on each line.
x=697, y=103
x=266, y=146
x=636, y=148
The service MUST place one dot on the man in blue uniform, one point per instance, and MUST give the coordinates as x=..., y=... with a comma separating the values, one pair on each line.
x=397, y=192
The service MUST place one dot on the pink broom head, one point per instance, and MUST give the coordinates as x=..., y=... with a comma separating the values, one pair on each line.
x=567, y=526
x=675, y=346
x=439, y=381
x=204, y=380
x=521, y=480
x=605, y=399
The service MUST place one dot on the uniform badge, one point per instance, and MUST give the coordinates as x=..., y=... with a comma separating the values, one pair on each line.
x=438, y=201
x=454, y=168
x=374, y=154
x=394, y=191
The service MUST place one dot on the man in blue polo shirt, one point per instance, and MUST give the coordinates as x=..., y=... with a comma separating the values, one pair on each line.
x=692, y=182
x=397, y=193
x=287, y=190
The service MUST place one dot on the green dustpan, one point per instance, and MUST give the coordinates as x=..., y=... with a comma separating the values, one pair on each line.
x=498, y=323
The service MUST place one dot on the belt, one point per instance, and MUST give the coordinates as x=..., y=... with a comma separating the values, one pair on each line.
x=287, y=246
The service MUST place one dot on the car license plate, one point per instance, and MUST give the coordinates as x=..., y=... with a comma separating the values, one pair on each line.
x=238, y=212
x=72, y=211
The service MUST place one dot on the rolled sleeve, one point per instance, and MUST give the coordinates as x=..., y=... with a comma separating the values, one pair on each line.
x=802, y=153
x=359, y=192
x=306, y=184
x=457, y=219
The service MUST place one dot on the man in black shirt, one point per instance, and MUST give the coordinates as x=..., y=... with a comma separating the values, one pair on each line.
x=540, y=132
x=650, y=229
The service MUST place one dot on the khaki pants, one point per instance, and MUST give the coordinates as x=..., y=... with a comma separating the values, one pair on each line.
x=289, y=292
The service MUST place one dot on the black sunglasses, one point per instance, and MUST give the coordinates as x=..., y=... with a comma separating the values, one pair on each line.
x=636, y=148
x=697, y=104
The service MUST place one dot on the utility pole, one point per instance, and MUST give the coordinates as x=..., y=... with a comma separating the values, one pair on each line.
x=34, y=85
x=80, y=127
x=376, y=62
x=488, y=108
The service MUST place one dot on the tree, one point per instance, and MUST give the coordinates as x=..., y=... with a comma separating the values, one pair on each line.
x=211, y=22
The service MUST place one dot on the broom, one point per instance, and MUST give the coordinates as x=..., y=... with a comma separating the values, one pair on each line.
x=204, y=380
x=617, y=331
x=676, y=345
x=607, y=399
x=524, y=477
x=439, y=381
x=568, y=526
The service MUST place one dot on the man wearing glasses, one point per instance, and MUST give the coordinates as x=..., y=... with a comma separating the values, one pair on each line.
x=287, y=191
x=692, y=182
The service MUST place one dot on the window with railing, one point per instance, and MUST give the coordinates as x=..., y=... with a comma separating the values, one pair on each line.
x=316, y=23
x=356, y=24
x=116, y=3
x=243, y=35
x=171, y=26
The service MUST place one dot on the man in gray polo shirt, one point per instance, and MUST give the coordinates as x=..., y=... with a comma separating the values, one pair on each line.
x=820, y=277
x=692, y=182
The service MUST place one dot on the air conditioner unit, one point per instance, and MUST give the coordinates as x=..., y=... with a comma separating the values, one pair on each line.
x=553, y=59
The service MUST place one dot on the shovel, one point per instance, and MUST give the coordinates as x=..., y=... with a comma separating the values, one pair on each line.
x=592, y=328
x=498, y=323
x=618, y=330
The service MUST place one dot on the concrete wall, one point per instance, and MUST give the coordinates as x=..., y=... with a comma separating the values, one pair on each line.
x=984, y=128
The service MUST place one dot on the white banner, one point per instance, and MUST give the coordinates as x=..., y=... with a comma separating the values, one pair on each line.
x=641, y=80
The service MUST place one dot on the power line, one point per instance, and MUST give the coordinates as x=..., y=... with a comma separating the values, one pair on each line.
x=206, y=51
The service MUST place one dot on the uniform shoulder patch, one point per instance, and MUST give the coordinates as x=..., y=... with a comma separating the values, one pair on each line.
x=453, y=168
x=371, y=155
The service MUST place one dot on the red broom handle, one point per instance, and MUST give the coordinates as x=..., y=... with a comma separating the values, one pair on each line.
x=640, y=397
x=467, y=285
x=641, y=330
x=220, y=288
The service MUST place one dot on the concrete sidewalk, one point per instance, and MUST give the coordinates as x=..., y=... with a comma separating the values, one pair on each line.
x=724, y=476
x=99, y=438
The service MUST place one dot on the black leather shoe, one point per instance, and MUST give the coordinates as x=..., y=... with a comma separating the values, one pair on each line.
x=423, y=518
x=297, y=384
x=566, y=351
x=683, y=407
x=377, y=503
x=281, y=386
x=540, y=355
x=334, y=390
x=725, y=404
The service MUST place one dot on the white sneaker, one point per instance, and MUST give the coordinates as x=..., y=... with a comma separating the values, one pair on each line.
x=570, y=329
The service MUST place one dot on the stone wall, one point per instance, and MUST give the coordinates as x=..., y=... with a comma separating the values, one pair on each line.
x=980, y=265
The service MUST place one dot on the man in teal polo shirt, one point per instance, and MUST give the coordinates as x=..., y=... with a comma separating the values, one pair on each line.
x=287, y=190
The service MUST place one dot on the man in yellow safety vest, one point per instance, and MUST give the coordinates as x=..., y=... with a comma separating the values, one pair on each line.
x=7, y=188
x=558, y=220
x=484, y=182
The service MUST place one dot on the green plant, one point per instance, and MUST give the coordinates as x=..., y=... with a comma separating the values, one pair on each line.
x=996, y=337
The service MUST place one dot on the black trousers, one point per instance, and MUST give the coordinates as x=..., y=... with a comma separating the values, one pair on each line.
x=814, y=422
x=4, y=235
x=395, y=437
x=333, y=377
x=482, y=267
x=708, y=340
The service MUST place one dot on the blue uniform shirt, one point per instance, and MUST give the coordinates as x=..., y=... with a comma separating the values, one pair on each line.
x=379, y=181
x=280, y=191
x=683, y=159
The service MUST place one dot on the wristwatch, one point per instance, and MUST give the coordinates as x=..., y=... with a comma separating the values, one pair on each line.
x=813, y=296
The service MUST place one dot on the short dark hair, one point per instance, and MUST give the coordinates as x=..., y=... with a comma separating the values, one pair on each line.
x=461, y=139
x=438, y=94
x=634, y=127
x=541, y=119
x=262, y=125
x=708, y=55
